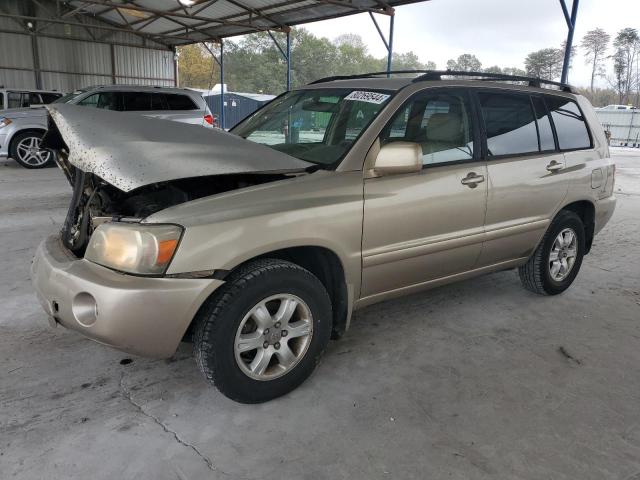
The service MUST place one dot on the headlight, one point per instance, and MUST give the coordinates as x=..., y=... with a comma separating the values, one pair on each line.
x=134, y=248
x=4, y=122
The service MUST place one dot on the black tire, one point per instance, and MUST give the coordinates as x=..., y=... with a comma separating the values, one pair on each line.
x=20, y=137
x=217, y=323
x=536, y=273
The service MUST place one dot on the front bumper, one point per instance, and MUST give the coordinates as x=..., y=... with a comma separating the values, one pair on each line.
x=140, y=315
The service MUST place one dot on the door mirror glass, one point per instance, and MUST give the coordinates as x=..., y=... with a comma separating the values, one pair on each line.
x=398, y=157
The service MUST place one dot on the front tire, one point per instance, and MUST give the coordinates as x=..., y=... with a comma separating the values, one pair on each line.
x=25, y=149
x=262, y=333
x=556, y=262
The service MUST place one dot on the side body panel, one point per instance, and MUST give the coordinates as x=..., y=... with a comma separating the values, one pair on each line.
x=323, y=209
x=418, y=227
x=523, y=197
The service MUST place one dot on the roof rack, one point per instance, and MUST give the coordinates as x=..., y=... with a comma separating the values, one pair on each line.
x=366, y=75
x=500, y=77
x=428, y=75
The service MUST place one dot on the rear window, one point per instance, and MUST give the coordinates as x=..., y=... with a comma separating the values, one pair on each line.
x=179, y=102
x=570, y=125
x=510, y=124
x=136, y=101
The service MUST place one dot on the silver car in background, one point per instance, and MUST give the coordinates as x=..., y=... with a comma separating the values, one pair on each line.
x=21, y=129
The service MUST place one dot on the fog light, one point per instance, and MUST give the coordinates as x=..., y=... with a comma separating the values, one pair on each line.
x=85, y=309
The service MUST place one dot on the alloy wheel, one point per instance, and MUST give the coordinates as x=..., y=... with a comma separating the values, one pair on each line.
x=563, y=254
x=30, y=153
x=273, y=337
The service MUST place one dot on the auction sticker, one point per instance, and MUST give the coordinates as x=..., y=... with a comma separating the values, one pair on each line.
x=369, y=97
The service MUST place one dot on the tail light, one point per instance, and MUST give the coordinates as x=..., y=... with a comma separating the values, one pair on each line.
x=209, y=119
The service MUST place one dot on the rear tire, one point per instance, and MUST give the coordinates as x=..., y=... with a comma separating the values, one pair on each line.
x=24, y=149
x=244, y=342
x=556, y=262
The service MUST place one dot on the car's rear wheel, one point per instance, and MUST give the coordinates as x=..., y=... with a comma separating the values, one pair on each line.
x=556, y=262
x=25, y=149
x=262, y=334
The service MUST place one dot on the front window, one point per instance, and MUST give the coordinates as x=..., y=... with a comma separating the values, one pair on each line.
x=440, y=121
x=318, y=126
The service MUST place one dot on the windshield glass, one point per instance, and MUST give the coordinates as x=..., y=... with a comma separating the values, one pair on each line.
x=69, y=96
x=318, y=126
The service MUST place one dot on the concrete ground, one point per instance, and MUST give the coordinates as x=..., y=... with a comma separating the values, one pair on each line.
x=476, y=380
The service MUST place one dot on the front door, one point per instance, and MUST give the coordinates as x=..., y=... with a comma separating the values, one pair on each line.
x=428, y=225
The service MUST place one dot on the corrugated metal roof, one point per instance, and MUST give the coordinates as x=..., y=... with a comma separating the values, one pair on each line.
x=173, y=23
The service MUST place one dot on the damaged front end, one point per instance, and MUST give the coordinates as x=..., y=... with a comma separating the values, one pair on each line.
x=131, y=198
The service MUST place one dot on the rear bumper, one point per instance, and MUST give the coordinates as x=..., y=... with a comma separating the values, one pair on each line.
x=140, y=315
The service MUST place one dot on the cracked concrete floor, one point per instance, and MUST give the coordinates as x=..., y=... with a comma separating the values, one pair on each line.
x=476, y=380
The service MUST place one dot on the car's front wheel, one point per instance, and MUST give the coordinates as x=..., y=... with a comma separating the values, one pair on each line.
x=263, y=333
x=25, y=149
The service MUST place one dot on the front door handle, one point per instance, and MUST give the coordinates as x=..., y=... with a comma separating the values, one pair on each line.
x=472, y=180
x=554, y=166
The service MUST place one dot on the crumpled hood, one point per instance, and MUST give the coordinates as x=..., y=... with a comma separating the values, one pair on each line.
x=39, y=111
x=130, y=151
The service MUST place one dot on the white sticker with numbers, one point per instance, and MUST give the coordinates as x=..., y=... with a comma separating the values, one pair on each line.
x=369, y=97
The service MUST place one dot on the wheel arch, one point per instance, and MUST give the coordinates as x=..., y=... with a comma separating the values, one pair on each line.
x=586, y=210
x=325, y=264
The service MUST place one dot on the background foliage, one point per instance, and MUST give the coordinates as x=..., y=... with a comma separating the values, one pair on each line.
x=254, y=63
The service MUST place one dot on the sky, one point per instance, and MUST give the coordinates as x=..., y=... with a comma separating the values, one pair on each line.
x=498, y=32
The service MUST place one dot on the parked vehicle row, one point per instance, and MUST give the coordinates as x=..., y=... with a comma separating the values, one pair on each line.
x=21, y=129
x=338, y=195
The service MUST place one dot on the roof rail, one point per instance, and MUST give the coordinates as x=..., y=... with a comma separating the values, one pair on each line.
x=438, y=74
x=366, y=75
x=499, y=77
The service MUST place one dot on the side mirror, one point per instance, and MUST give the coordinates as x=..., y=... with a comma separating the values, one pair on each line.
x=398, y=157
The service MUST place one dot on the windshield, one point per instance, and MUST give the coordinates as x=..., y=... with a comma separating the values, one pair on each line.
x=318, y=126
x=70, y=96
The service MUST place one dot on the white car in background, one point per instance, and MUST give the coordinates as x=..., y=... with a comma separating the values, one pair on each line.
x=22, y=129
x=25, y=98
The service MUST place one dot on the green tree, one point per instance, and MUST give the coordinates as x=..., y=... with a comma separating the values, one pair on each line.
x=545, y=63
x=594, y=45
x=494, y=69
x=195, y=67
x=625, y=58
x=465, y=63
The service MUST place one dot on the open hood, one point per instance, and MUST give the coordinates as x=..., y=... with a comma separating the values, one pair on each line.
x=130, y=151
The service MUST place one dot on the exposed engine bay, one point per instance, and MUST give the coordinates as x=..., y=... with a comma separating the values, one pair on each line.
x=206, y=163
x=95, y=201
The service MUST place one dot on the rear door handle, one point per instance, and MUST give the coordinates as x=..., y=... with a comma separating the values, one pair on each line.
x=472, y=180
x=554, y=166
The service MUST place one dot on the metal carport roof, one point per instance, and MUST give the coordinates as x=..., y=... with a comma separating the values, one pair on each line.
x=175, y=22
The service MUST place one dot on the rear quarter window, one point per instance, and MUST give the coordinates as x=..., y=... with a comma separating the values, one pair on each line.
x=570, y=125
x=180, y=102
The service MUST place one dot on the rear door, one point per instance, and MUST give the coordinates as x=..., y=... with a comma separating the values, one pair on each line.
x=423, y=226
x=525, y=172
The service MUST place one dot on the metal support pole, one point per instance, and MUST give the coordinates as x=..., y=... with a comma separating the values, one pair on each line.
x=288, y=60
x=36, y=60
x=221, y=85
x=388, y=44
x=571, y=24
x=112, y=54
x=390, y=49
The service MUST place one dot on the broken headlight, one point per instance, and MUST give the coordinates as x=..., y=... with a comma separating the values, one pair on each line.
x=134, y=248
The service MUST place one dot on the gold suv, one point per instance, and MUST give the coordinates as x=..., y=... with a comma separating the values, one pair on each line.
x=259, y=243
